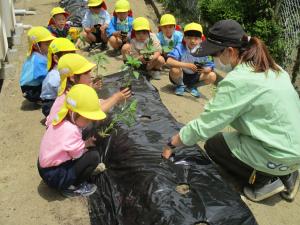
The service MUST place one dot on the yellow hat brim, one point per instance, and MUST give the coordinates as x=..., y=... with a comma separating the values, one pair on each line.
x=98, y=115
x=121, y=10
x=94, y=4
x=63, y=83
x=49, y=38
x=142, y=28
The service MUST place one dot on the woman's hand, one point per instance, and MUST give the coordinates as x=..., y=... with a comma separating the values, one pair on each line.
x=167, y=152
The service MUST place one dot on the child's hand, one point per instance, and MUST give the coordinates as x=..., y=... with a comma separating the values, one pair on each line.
x=97, y=84
x=123, y=95
x=87, y=30
x=206, y=70
x=90, y=142
x=191, y=66
x=117, y=34
x=141, y=58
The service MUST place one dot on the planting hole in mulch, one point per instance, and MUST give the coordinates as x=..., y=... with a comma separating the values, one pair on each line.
x=183, y=188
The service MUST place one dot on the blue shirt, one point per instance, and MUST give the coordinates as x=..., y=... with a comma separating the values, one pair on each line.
x=183, y=54
x=176, y=38
x=50, y=85
x=117, y=25
x=34, y=70
x=91, y=19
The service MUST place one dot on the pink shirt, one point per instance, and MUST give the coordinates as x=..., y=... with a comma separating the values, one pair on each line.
x=58, y=103
x=61, y=143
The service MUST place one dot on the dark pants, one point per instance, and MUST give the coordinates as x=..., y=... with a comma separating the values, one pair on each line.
x=190, y=80
x=219, y=152
x=46, y=106
x=72, y=172
x=32, y=93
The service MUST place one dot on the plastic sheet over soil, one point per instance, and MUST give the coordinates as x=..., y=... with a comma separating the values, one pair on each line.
x=138, y=187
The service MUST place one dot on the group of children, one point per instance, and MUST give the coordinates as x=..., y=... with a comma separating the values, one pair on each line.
x=60, y=79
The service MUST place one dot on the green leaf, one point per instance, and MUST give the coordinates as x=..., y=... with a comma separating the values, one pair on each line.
x=136, y=74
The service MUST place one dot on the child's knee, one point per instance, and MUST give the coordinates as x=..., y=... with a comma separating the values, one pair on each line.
x=212, y=77
x=175, y=71
x=126, y=49
x=161, y=60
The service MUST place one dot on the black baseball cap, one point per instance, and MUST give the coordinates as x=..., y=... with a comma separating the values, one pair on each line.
x=224, y=33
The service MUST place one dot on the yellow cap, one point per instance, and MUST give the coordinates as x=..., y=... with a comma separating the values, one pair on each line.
x=36, y=35
x=81, y=99
x=167, y=19
x=193, y=26
x=56, y=11
x=59, y=45
x=122, y=6
x=141, y=23
x=93, y=3
x=69, y=65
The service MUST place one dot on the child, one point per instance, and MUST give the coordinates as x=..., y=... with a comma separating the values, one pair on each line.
x=34, y=69
x=95, y=23
x=57, y=24
x=184, y=73
x=168, y=33
x=141, y=36
x=121, y=25
x=58, y=47
x=75, y=69
x=65, y=162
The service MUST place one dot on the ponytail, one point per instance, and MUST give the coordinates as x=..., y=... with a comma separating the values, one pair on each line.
x=255, y=53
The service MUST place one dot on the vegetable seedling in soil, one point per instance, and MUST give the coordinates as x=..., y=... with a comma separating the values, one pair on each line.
x=100, y=59
x=148, y=51
x=168, y=48
x=130, y=66
x=126, y=115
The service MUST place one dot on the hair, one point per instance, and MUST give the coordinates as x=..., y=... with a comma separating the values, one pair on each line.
x=75, y=116
x=193, y=33
x=255, y=53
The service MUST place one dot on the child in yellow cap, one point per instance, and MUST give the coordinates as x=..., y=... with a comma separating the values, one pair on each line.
x=75, y=69
x=58, y=47
x=120, y=26
x=34, y=69
x=168, y=33
x=184, y=73
x=141, y=36
x=95, y=23
x=65, y=160
x=57, y=24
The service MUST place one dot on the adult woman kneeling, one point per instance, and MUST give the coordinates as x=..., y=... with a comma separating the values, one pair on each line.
x=258, y=100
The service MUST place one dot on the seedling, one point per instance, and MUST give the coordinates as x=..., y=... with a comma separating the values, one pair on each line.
x=126, y=115
x=124, y=37
x=131, y=65
x=100, y=59
x=148, y=51
x=168, y=48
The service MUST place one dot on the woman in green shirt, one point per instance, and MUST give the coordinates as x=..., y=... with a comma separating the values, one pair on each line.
x=258, y=100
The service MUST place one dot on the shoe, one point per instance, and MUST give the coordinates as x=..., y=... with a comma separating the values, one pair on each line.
x=155, y=74
x=103, y=46
x=180, y=90
x=266, y=191
x=291, y=184
x=84, y=189
x=193, y=91
x=91, y=47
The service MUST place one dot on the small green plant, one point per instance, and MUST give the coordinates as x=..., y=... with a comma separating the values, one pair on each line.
x=131, y=65
x=100, y=59
x=148, y=51
x=126, y=115
x=168, y=48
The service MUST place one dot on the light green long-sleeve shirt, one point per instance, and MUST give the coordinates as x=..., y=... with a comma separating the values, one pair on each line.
x=265, y=111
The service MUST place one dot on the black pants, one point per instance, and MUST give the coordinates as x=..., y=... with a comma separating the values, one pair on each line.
x=219, y=152
x=72, y=172
x=32, y=93
x=46, y=106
